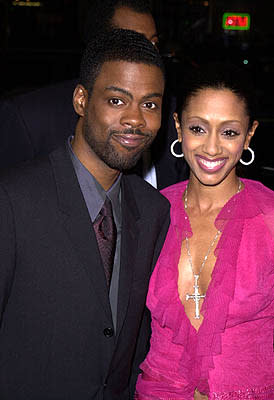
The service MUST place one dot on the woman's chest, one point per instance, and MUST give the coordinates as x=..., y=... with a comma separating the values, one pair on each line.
x=195, y=266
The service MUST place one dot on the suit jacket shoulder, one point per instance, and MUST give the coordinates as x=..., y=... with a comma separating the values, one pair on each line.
x=145, y=193
x=36, y=122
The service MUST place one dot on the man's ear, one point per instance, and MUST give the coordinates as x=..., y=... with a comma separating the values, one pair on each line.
x=80, y=100
x=178, y=126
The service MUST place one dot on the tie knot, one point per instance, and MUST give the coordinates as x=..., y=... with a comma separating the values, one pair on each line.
x=106, y=210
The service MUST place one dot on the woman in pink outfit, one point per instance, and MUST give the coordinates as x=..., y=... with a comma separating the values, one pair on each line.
x=211, y=295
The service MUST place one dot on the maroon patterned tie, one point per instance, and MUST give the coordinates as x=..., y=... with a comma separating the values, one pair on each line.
x=106, y=234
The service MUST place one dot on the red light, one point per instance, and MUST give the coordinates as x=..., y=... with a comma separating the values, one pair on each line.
x=237, y=20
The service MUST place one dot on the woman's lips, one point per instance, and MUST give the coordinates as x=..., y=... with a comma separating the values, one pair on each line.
x=211, y=165
x=129, y=140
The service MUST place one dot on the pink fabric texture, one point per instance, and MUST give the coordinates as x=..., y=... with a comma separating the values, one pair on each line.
x=231, y=356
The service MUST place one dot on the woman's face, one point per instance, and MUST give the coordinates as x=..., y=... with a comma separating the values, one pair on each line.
x=214, y=132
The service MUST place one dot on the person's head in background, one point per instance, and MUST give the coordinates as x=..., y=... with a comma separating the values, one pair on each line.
x=215, y=120
x=135, y=15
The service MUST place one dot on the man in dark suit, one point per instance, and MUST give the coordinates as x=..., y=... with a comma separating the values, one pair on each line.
x=73, y=324
x=37, y=122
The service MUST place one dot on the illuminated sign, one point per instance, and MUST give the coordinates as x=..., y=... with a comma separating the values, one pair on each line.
x=27, y=3
x=236, y=21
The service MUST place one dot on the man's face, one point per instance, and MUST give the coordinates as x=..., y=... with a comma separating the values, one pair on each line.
x=123, y=114
x=125, y=18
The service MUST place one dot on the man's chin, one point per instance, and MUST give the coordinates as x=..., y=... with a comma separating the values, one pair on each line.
x=123, y=163
x=123, y=166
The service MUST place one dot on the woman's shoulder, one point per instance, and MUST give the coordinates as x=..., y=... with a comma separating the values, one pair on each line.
x=174, y=192
x=259, y=202
x=261, y=195
x=256, y=185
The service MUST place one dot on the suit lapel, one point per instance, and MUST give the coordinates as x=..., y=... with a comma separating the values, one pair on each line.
x=129, y=245
x=77, y=223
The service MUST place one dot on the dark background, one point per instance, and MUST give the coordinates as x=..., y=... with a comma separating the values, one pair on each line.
x=40, y=43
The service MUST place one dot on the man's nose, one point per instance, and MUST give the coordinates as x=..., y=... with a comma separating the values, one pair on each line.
x=133, y=118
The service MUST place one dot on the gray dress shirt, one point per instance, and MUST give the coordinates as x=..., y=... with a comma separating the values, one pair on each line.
x=95, y=196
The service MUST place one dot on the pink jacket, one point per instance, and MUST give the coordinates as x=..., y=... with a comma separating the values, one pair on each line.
x=231, y=356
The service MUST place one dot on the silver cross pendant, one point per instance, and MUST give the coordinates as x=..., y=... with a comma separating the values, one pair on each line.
x=196, y=296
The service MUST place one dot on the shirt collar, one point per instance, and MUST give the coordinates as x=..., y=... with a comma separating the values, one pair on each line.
x=93, y=192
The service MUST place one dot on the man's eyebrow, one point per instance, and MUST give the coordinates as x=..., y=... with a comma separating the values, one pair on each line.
x=120, y=90
x=150, y=95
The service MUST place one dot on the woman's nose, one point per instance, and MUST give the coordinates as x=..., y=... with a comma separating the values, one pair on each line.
x=212, y=144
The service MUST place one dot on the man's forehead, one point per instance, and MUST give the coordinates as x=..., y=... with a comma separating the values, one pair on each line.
x=126, y=69
x=135, y=76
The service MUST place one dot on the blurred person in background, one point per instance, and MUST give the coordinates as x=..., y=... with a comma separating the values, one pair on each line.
x=211, y=293
x=34, y=123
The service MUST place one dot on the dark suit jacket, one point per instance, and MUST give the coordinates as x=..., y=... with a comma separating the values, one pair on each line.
x=56, y=335
x=35, y=123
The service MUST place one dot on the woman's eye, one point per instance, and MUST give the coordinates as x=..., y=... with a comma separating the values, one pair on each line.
x=196, y=129
x=231, y=133
x=116, y=102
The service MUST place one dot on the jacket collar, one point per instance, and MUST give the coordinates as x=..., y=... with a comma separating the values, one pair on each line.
x=77, y=223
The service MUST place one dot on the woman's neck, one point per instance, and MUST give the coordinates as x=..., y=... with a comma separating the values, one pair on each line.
x=204, y=198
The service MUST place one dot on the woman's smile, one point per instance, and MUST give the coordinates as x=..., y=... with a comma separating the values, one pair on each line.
x=210, y=166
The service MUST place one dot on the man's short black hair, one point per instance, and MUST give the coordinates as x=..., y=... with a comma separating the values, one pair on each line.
x=116, y=45
x=100, y=13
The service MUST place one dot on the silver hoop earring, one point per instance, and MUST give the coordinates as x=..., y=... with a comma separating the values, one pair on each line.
x=172, y=149
x=252, y=157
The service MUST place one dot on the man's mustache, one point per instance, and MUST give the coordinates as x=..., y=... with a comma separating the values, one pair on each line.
x=129, y=131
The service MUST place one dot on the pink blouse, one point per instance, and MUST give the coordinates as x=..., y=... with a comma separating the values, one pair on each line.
x=231, y=356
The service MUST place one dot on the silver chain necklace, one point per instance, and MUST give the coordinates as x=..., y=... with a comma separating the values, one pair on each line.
x=196, y=296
